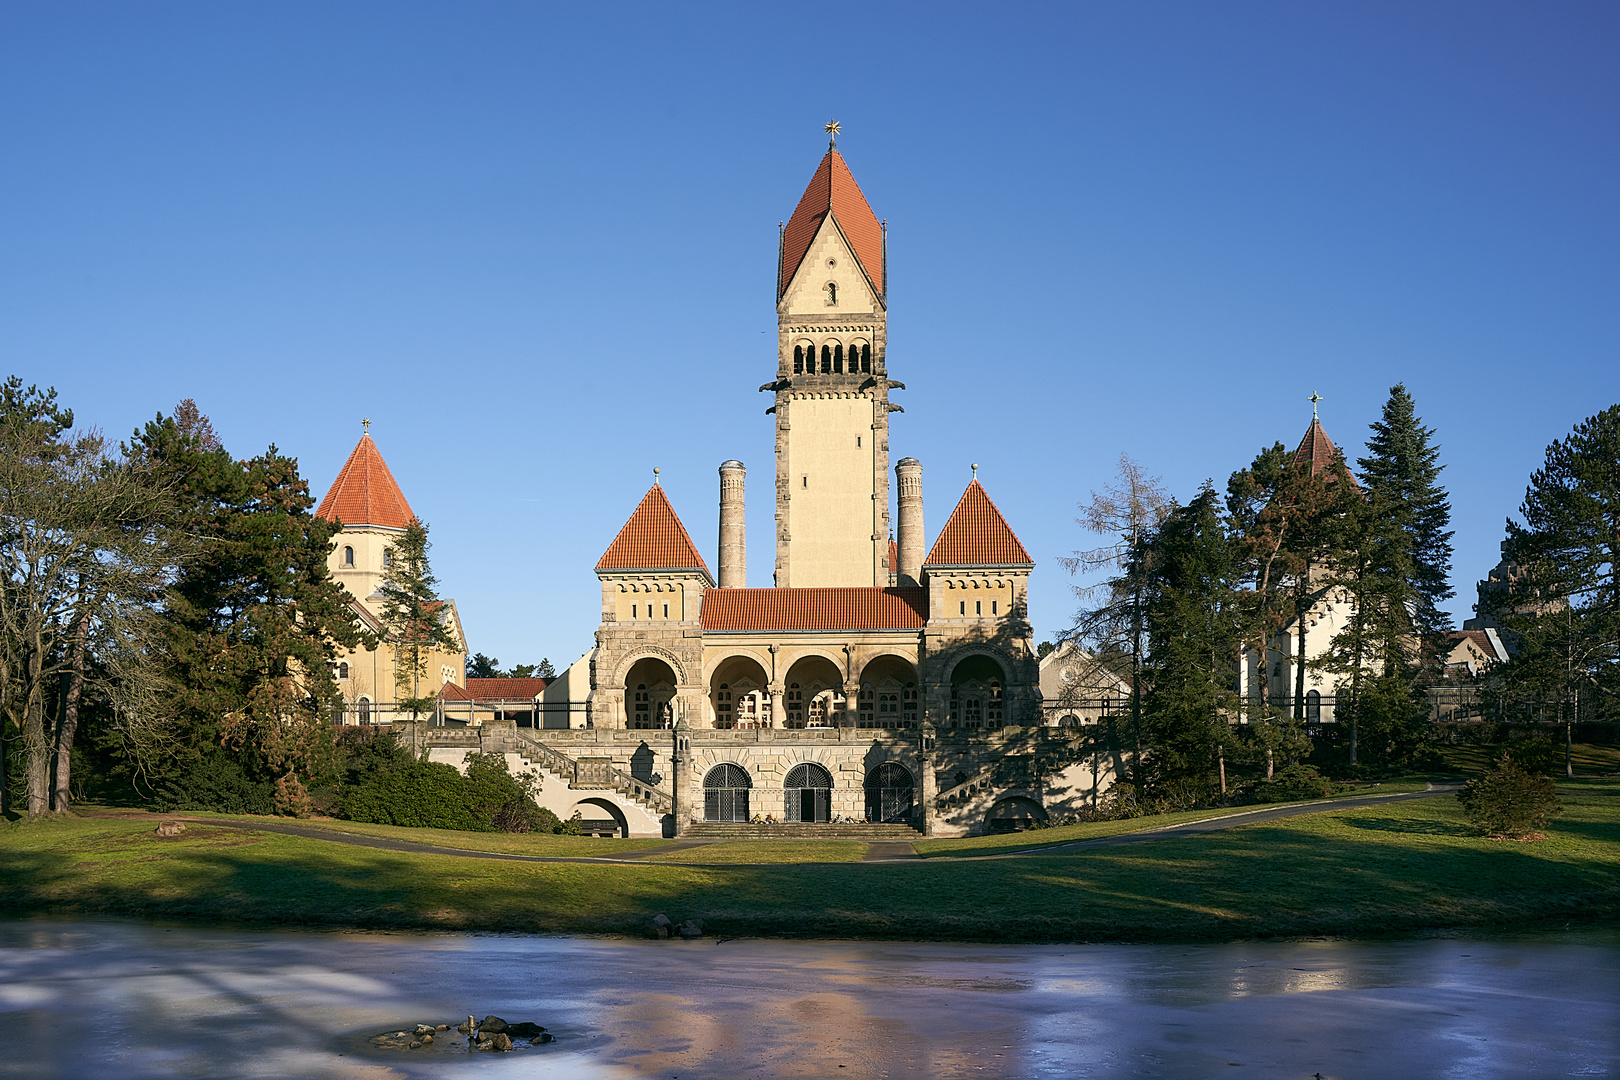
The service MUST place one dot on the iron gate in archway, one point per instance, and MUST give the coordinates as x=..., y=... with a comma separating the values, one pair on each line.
x=725, y=793
x=807, y=793
x=890, y=793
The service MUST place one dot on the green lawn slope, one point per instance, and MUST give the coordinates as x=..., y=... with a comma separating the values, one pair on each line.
x=1392, y=868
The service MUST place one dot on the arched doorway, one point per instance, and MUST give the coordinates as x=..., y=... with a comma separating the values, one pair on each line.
x=649, y=687
x=739, y=695
x=977, y=685
x=890, y=793
x=807, y=794
x=815, y=694
x=888, y=694
x=725, y=793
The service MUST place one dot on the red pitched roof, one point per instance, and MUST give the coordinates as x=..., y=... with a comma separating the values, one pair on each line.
x=1318, y=451
x=365, y=493
x=977, y=535
x=494, y=690
x=814, y=609
x=653, y=539
x=832, y=189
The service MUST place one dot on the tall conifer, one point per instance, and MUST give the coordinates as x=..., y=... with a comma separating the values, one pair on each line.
x=414, y=615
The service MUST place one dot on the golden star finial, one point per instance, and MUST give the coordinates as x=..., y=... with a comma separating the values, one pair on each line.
x=832, y=129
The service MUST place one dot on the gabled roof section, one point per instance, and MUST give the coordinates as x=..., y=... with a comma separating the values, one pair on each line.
x=977, y=535
x=653, y=539
x=1318, y=451
x=743, y=610
x=833, y=191
x=494, y=690
x=365, y=493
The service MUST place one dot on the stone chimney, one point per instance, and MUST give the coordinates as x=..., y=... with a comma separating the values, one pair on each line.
x=733, y=542
x=910, y=541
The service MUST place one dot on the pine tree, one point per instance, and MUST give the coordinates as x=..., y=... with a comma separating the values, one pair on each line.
x=254, y=619
x=1194, y=636
x=1401, y=473
x=413, y=615
x=1567, y=637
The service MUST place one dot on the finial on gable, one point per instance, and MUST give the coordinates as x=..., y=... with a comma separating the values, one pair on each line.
x=832, y=128
x=1313, y=399
x=365, y=427
x=975, y=468
x=655, y=474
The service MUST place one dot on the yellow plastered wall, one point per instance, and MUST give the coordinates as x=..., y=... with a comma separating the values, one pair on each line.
x=831, y=463
x=646, y=601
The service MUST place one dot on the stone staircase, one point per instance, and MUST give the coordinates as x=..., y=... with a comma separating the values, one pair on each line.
x=743, y=830
x=593, y=774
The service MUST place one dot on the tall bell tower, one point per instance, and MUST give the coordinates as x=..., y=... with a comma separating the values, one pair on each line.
x=832, y=387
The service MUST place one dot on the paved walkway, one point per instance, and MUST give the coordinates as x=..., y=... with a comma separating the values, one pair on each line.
x=897, y=851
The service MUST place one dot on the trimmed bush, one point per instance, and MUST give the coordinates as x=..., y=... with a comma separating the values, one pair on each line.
x=417, y=794
x=1509, y=802
x=217, y=782
x=1293, y=783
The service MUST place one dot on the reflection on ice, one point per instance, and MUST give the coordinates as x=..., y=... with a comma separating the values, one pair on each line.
x=184, y=1002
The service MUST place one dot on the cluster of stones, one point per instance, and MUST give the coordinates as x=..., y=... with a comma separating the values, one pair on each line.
x=661, y=928
x=492, y=1033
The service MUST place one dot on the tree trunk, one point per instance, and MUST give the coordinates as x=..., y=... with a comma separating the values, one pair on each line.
x=1353, y=710
x=1270, y=763
x=68, y=725
x=1299, y=664
x=38, y=747
x=1569, y=750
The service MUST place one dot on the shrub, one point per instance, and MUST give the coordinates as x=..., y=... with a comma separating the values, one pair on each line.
x=1292, y=783
x=1509, y=801
x=216, y=782
x=417, y=794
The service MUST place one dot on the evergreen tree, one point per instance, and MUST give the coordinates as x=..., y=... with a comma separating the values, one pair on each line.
x=1567, y=640
x=413, y=615
x=1194, y=638
x=1401, y=473
x=254, y=618
x=480, y=666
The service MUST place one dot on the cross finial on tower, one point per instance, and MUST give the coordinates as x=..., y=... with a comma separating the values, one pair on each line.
x=1313, y=399
x=832, y=129
x=365, y=427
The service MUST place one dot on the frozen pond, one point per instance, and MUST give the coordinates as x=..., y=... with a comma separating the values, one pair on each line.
x=109, y=999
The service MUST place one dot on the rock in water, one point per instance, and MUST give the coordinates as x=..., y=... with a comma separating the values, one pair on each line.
x=525, y=1030
x=500, y=1041
x=492, y=1025
x=466, y=1028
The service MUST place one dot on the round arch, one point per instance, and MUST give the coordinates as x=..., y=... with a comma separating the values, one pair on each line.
x=725, y=792
x=599, y=816
x=813, y=693
x=978, y=691
x=807, y=793
x=739, y=693
x=890, y=793
x=649, y=688
x=650, y=652
x=1014, y=813
x=887, y=693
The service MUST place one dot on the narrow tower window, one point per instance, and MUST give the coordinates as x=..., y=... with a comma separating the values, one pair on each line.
x=348, y=556
x=866, y=359
x=832, y=293
x=826, y=359
x=838, y=359
x=798, y=359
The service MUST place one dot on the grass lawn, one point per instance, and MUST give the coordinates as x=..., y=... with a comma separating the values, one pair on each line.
x=767, y=851
x=1387, y=868
x=506, y=843
x=1091, y=830
x=1588, y=758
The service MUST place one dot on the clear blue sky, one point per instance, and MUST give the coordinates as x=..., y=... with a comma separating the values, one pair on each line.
x=536, y=245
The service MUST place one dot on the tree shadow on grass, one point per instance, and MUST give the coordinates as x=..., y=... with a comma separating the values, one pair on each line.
x=1410, y=826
